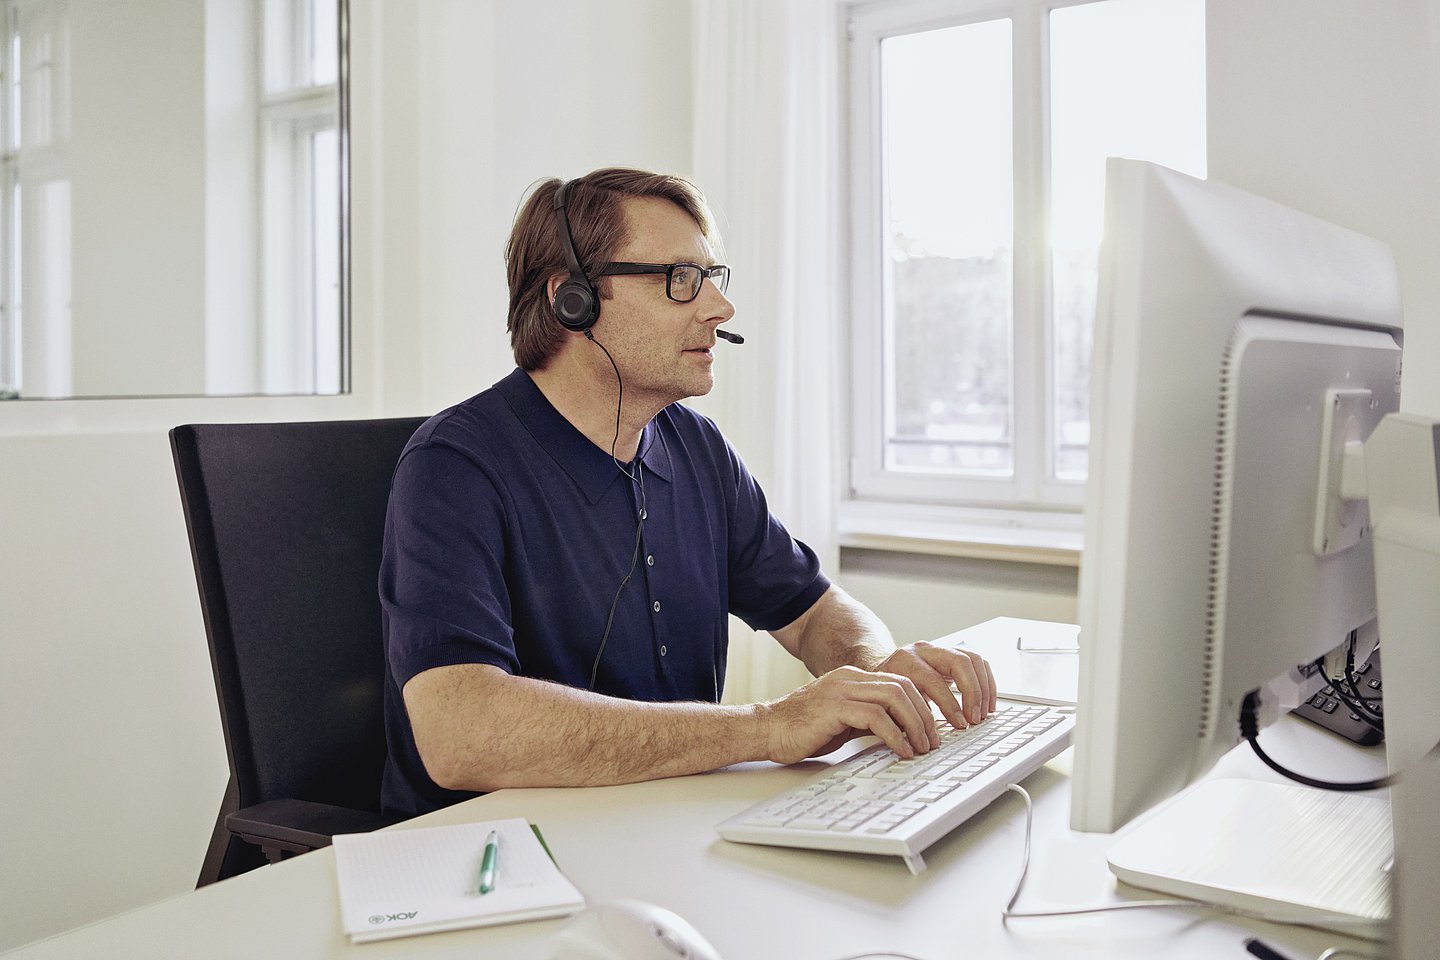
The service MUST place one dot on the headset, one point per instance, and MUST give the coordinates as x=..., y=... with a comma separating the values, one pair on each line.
x=576, y=305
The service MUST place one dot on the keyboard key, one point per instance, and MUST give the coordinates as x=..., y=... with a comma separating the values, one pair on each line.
x=809, y=823
x=1010, y=746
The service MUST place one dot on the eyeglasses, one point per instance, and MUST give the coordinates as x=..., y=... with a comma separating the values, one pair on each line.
x=682, y=280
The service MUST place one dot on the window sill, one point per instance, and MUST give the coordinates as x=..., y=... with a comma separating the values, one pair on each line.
x=1013, y=536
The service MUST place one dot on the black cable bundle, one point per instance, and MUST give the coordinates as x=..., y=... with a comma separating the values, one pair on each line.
x=1368, y=709
x=1250, y=730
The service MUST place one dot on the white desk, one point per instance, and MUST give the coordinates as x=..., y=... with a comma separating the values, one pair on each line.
x=656, y=842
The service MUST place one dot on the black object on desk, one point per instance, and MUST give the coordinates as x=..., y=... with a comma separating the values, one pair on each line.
x=1258, y=948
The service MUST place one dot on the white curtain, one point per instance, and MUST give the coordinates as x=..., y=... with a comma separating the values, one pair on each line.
x=766, y=87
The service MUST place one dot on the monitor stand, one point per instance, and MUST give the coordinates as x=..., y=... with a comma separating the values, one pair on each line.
x=1288, y=852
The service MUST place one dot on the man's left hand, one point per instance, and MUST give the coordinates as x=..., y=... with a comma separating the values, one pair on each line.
x=933, y=669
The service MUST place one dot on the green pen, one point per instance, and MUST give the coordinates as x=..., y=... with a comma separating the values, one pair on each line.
x=489, y=861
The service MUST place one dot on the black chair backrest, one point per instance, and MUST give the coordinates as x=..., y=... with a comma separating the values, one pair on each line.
x=285, y=523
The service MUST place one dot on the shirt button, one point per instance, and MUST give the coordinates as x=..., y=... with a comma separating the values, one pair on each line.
x=650, y=561
x=642, y=514
x=655, y=606
x=663, y=651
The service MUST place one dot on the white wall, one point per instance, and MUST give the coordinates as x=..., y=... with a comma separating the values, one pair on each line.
x=923, y=597
x=610, y=88
x=1333, y=107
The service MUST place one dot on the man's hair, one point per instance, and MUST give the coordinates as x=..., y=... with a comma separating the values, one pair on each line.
x=595, y=209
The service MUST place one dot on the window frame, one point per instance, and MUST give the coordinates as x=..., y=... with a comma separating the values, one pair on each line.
x=11, y=356
x=1031, y=487
x=292, y=109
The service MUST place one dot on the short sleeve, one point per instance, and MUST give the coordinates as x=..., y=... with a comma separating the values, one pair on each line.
x=442, y=585
x=773, y=577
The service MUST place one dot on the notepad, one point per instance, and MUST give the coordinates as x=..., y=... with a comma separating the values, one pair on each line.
x=396, y=883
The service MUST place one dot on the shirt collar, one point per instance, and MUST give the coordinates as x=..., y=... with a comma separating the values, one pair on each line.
x=592, y=469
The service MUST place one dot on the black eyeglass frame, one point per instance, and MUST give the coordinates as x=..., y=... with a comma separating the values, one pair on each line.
x=719, y=274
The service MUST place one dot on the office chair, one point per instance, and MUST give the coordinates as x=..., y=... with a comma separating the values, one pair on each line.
x=285, y=523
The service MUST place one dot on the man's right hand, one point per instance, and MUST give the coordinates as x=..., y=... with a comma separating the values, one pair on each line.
x=844, y=704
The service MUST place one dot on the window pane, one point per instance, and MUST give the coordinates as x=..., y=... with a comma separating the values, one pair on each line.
x=1127, y=78
x=948, y=247
x=16, y=89
x=15, y=359
x=325, y=282
x=324, y=42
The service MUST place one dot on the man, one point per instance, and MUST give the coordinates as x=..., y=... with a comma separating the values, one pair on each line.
x=562, y=550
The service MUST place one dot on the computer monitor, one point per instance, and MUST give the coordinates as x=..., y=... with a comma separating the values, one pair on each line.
x=1402, y=473
x=1239, y=347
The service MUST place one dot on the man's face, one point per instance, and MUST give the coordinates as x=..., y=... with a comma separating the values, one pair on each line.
x=663, y=348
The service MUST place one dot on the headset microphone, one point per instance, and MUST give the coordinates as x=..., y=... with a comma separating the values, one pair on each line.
x=732, y=337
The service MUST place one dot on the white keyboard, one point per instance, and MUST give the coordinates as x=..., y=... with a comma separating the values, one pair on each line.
x=875, y=802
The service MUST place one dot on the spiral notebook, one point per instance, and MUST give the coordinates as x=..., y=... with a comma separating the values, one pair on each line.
x=395, y=883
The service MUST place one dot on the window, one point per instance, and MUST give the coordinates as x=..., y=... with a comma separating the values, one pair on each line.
x=171, y=198
x=979, y=133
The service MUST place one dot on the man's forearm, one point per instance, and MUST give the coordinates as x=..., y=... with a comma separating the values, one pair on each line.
x=480, y=729
x=841, y=631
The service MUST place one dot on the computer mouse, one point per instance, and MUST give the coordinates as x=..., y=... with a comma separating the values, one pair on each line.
x=630, y=930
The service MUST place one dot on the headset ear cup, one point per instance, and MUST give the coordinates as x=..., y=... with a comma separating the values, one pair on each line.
x=575, y=305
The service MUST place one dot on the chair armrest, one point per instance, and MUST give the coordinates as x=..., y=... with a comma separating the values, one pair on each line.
x=297, y=826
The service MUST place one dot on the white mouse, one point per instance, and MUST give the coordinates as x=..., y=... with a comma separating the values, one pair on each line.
x=630, y=930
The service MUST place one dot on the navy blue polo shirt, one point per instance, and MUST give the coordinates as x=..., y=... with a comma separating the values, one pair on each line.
x=509, y=534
